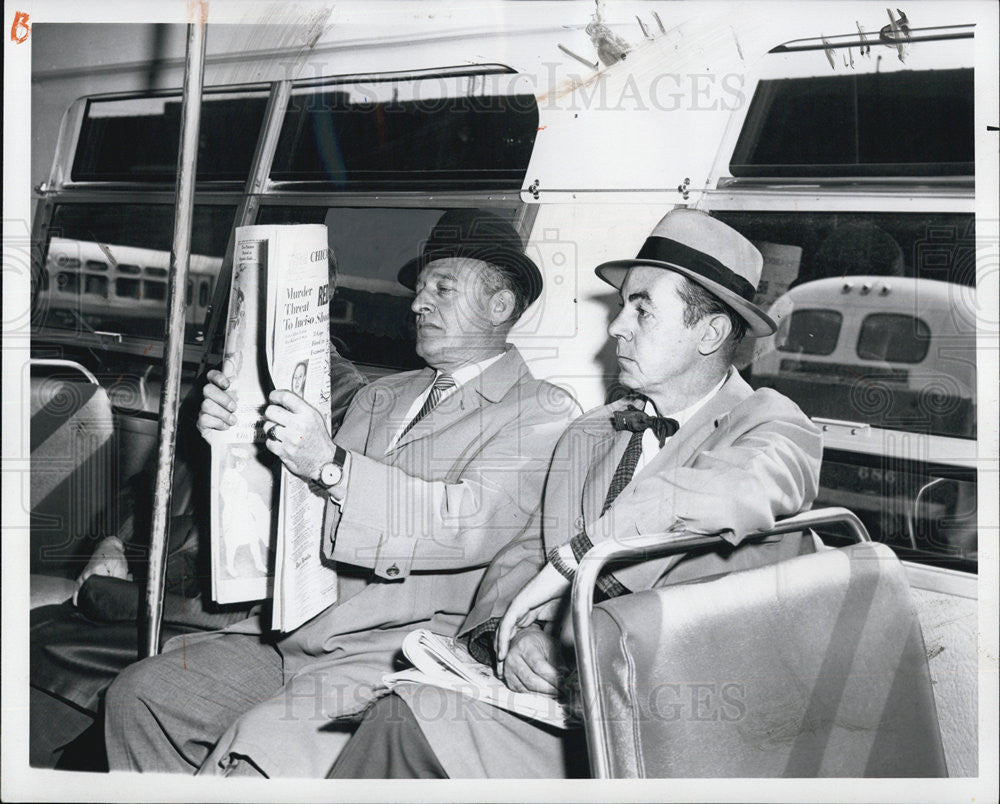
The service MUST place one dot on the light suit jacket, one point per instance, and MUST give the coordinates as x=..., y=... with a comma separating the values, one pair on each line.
x=419, y=524
x=422, y=520
x=743, y=460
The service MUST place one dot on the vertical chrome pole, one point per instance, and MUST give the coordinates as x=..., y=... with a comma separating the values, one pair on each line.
x=173, y=350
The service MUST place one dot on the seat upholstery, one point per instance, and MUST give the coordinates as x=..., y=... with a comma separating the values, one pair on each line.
x=811, y=667
x=72, y=468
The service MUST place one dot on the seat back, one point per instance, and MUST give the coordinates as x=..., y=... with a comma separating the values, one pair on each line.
x=73, y=475
x=811, y=667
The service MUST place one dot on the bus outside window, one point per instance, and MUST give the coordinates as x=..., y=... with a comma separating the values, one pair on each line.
x=877, y=329
x=125, y=253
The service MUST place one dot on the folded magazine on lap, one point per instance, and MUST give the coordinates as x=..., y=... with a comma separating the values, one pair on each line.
x=444, y=662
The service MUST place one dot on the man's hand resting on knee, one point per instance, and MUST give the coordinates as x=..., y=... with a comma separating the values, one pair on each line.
x=533, y=662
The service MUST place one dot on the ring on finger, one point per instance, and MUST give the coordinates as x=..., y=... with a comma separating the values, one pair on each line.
x=272, y=433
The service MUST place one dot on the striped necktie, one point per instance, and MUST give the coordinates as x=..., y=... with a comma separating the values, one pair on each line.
x=443, y=383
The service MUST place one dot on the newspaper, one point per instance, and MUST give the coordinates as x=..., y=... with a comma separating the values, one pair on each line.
x=266, y=522
x=443, y=662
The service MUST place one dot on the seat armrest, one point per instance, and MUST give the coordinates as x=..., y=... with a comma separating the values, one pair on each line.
x=645, y=546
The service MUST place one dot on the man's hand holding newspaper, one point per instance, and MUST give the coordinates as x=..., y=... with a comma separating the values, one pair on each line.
x=297, y=434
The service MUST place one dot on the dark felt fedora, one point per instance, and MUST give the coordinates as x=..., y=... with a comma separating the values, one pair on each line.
x=708, y=252
x=477, y=235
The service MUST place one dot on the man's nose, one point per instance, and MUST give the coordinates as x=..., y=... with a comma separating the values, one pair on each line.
x=421, y=303
x=617, y=327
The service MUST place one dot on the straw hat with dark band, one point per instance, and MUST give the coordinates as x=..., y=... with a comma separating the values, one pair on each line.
x=481, y=236
x=708, y=252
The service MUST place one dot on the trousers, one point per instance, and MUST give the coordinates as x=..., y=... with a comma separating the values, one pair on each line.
x=166, y=713
x=388, y=745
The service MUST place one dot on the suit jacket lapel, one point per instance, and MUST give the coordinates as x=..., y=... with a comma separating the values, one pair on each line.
x=391, y=404
x=463, y=401
x=681, y=448
x=489, y=387
x=607, y=451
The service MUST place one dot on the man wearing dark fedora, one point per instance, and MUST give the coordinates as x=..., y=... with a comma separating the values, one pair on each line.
x=694, y=449
x=431, y=473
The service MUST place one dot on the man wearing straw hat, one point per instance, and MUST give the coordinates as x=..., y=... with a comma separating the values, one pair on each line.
x=694, y=450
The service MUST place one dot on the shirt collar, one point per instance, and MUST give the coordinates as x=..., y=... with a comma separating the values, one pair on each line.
x=685, y=414
x=469, y=372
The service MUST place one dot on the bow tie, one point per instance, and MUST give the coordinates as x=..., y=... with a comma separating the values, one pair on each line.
x=638, y=421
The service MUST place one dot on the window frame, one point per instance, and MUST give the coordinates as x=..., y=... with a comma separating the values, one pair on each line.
x=861, y=440
x=247, y=197
x=61, y=177
x=785, y=61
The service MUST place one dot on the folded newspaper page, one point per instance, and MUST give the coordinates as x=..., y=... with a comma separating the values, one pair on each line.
x=266, y=522
x=444, y=662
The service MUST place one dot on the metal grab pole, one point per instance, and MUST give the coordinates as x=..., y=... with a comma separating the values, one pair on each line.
x=173, y=350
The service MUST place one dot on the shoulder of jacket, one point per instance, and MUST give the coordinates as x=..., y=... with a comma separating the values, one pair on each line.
x=768, y=405
x=595, y=423
x=550, y=395
x=396, y=380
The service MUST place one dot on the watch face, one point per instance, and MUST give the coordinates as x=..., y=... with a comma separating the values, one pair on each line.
x=329, y=474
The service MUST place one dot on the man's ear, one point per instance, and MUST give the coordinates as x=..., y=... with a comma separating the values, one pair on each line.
x=501, y=307
x=715, y=330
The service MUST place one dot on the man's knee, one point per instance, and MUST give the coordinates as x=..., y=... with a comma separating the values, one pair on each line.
x=389, y=744
x=134, y=684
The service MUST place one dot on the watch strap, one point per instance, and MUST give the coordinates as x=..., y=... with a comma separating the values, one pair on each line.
x=339, y=455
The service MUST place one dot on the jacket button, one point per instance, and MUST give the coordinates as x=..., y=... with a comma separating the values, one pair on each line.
x=393, y=571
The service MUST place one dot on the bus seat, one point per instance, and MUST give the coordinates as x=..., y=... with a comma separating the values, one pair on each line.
x=73, y=477
x=811, y=667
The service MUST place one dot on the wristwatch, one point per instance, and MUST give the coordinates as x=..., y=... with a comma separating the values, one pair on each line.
x=330, y=474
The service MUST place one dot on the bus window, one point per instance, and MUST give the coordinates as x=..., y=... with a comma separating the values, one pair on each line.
x=128, y=288
x=154, y=291
x=129, y=245
x=810, y=332
x=877, y=328
x=371, y=320
x=189, y=293
x=456, y=132
x=848, y=125
x=893, y=337
x=899, y=288
x=926, y=512
x=136, y=139
x=97, y=285
x=204, y=289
